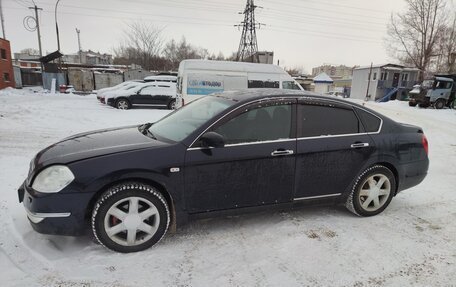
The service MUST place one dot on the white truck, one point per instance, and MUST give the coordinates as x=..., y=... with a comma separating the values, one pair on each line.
x=198, y=78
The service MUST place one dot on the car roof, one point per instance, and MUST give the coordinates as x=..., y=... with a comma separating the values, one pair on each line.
x=253, y=94
x=248, y=95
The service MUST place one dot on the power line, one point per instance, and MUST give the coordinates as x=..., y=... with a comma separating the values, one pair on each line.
x=317, y=22
x=312, y=8
x=132, y=12
x=174, y=21
x=279, y=12
x=321, y=35
x=21, y=3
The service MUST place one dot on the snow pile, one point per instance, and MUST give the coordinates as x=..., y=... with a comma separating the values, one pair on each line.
x=412, y=243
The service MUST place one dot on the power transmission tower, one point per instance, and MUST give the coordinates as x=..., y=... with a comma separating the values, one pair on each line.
x=248, y=46
x=79, y=45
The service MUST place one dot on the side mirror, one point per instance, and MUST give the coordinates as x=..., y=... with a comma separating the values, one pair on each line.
x=212, y=139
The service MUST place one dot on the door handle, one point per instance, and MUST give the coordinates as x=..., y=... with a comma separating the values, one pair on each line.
x=359, y=145
x=282, y=152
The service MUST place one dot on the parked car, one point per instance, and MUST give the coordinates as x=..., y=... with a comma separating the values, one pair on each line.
x=162, y=78
x=229, y=153
x=101, y=92
x=149, y=94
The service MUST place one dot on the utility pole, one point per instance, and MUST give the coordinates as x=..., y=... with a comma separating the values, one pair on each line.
x=3, y=20
x=368, y=83
x=79, y=45
x=37, y=21
x=248, y=45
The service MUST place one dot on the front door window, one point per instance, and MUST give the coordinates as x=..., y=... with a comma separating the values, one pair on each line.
x=258, y=124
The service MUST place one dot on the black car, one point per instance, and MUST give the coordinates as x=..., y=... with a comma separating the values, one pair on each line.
x=150, y=94
x=222, y=154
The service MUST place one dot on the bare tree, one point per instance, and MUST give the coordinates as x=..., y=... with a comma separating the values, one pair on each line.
x=30, y=51
x=175, y=52
x=141, y=45
x=413, y=35
x=446, y=48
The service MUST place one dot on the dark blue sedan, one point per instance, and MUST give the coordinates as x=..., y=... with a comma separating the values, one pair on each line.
x=222, y=154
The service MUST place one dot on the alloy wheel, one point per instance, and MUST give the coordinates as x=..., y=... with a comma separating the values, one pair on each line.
x=131, y=221
x=374, y=192
x=122, y=105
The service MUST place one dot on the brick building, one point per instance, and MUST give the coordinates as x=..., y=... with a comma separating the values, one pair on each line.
x=6, y=65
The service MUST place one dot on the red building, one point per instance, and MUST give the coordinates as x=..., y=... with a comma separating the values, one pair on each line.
x=6, y=65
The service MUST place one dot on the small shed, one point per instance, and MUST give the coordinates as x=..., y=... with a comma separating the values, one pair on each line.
x=323, y=83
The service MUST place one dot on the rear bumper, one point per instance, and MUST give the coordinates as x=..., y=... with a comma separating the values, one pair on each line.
x=58, y=213
x=412, y=174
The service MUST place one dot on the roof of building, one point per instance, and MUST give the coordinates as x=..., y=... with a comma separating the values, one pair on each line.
x=323, y=78
x=388, y=66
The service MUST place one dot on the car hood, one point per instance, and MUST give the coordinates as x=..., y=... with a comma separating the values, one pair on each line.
x=93, y=144
x=120, y=93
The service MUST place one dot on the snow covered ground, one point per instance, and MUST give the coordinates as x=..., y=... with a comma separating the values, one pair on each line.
x=413, y=243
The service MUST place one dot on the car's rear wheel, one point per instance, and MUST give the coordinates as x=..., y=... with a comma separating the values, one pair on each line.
x=123, y=104
x=172, y=105
x=130, y=217
x=439, y=104
x=372, y=191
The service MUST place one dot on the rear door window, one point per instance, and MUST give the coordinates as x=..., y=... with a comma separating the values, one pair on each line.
x=320, y=119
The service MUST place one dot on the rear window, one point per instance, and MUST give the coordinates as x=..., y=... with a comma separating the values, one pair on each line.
x=370, y=122
x=320, y=120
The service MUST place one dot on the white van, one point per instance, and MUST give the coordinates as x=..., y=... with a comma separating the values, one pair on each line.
x=197, y=78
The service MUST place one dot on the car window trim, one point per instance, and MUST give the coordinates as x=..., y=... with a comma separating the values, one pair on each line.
x=240, y=107
x=247, y=143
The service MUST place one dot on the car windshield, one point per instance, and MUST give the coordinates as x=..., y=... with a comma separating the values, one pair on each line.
x=290, y=85
x=183, y=122
x=428, y=83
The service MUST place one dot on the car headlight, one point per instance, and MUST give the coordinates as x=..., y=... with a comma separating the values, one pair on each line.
x=53, y=179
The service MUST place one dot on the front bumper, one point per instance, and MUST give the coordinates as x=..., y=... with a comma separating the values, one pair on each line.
x=58, y=213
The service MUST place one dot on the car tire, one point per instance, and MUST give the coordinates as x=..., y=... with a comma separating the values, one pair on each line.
x=130, y=217
x=372, y=191
x=172, y=105
x=413, y=104
x=439, y=104
x=123, y=104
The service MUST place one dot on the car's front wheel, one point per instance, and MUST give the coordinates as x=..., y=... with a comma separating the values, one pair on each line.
x=372, y=192
x=123, y=104
x=172, y=105
x=439, y=104
x=130, y=217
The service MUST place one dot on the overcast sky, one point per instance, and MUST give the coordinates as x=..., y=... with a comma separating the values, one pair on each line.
x=302, y=33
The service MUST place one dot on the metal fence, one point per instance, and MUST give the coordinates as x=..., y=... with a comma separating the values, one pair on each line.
x=48, y=77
